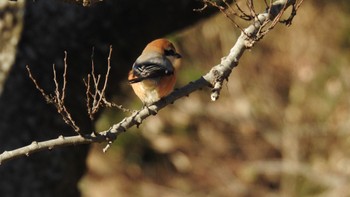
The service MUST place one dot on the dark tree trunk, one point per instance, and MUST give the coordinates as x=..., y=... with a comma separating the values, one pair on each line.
x=50, y=28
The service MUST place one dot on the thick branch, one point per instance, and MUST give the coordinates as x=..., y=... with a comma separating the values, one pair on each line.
x=214, y=78
x=44, y=145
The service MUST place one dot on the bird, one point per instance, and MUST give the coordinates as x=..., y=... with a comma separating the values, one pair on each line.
x=153, y=75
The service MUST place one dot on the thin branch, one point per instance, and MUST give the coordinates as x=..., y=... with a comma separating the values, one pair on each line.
x=47, y=97
x=59, y=96
x=205, y=5
x=120, y=107
x=57, y=92
x=239, y=13
x=64, y=76
x=227, y=16
x=96, y=96
x=250, y=4
x=223, y=11
x=214, y=78
x=59, y=100
x=87, y=84
x=243, y=15
x=266, y=4
x=295, y=7
x=102, y=92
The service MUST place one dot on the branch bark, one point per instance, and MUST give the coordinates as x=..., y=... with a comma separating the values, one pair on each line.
x=214, y=78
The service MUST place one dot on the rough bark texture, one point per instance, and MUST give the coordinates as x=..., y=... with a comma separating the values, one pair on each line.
x=11, y=22
x=50, y=27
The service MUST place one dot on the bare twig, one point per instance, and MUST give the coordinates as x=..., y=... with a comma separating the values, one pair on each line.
x=214, y=78
x=87, y=84
x=120, y=107
x=60, y=94
x=96, y=96
x=59, y=100
x=201, y=9
x=250, y=4
x=64, y=77
x=265, y=25
x=266, y=4
x=295, y=7
x=47, y=97
x=223, y=11
x=227, y=15
x=243, y=15
x=239, y=13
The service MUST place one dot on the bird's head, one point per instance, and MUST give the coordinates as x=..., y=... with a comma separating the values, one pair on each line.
x=159, y=49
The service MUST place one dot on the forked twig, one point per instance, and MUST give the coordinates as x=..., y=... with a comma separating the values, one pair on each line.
x=265, y=25
x=295, y=7
x=59, y=95
x=96, y=96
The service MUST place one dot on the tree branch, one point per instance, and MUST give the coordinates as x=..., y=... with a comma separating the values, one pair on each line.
x=214, y=78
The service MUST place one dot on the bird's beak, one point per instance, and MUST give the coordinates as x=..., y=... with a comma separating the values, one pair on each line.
x=177, y=55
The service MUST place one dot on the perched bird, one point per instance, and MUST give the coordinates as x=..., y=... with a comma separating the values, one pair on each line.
x=153, y=74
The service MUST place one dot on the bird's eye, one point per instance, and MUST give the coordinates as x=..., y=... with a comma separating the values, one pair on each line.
x=169, y=52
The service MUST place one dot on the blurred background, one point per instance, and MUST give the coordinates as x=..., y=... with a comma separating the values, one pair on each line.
x=280, y=128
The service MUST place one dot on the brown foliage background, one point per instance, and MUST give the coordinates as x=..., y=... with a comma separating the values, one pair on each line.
x=280, y=127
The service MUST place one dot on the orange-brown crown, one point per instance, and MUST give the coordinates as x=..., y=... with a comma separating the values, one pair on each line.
x=159, y=45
